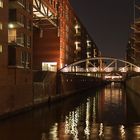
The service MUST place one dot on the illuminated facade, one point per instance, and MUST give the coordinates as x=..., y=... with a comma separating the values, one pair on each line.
x=45, y=35
x=84, y=45
x=15, y=55
x=20, y=34
x=36, y=35
x=63, y=44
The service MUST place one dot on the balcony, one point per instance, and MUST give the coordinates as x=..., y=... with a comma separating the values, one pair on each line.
x=16, y=19
x=16, y=4
x=16, y=40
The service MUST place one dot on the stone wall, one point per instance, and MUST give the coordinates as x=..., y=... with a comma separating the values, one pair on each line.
x=134, y=84
x=59, y=85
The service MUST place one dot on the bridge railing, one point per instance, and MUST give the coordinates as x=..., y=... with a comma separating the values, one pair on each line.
x=104, y=65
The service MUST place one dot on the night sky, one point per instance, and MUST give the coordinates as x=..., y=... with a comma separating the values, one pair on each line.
x=108, y=23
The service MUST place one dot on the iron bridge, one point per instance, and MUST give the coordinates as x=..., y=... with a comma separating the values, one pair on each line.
x=108, y=68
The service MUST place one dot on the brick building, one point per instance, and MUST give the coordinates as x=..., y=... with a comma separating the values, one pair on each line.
x=56, y=47
x=133, y=46
x=3, y=41
x=15, y=55
x=37, y=35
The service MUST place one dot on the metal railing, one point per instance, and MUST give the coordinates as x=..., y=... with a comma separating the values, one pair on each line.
x=16, y=40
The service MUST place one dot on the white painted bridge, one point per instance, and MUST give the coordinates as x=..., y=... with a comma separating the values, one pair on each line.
x=107, y=67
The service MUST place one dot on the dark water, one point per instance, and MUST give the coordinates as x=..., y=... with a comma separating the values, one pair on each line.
x=106, y=114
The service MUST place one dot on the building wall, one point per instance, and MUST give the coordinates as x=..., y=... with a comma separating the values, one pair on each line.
x=133, y=46
x=23, y=49
x=16, y=56
x=66, y=28
x=46, y=48
x=64, y=38
x=20, y=41
x=3, y=41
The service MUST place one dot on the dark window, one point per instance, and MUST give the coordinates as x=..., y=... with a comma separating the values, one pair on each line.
x=11, y=55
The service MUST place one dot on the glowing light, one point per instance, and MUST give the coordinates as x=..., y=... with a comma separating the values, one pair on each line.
x=54, y=131
x=0, y=48
x=77, y=26
x=137, y=69
x=71, y=122
x=122, y=130
x=101, y=129
x=87, y=129
x=49, y=66
x=11, y=26
x=1, y=4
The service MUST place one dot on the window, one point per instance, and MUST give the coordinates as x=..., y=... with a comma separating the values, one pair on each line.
x=20, y=39
x=23, y=58
x=29, y=7
x=0, y=26
x=21, y=19
x=49, y=66
x=1, y=3
x=28, y=60
x=0, y=48
x=29, y=41
x=12, y=36
x=29, y=25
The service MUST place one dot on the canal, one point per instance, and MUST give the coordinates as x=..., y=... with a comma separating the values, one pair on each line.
x=110, y=113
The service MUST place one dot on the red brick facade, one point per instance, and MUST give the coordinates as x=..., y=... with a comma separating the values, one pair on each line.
x=28, y=39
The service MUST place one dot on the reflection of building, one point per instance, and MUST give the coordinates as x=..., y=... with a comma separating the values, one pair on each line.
x=133, y=46
x=111, y=107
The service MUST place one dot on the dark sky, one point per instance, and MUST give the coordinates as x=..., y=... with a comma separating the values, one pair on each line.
x=108, y=22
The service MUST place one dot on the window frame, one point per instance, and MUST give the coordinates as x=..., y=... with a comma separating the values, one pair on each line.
x=1, y=3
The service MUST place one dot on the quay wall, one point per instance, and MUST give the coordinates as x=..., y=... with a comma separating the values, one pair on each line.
x=133, y=92
x=19, y=97
x=133, y=83
x=59, y=85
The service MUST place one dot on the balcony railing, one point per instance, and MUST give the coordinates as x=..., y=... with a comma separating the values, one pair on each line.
x=16, y=40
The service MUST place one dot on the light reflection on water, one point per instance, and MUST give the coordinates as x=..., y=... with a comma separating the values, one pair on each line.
x=101, y=115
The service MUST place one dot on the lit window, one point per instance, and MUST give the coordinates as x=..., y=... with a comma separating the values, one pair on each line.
x=1, y=3
x=0, y=26
x=0, y=48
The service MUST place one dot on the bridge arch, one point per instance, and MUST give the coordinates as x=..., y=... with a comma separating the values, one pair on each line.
x=101, y=64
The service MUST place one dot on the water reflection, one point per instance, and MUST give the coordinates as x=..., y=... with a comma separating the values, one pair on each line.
x=98, y=115
x=111, y=104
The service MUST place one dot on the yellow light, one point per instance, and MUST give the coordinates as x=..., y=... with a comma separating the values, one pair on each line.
x=76, y=26
x=0, y=48
x=11, y=26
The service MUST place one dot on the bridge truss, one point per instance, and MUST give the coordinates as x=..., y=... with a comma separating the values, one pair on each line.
x=108, y=68
x=43, y=15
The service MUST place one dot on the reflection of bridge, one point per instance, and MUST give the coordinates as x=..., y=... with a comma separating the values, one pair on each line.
x=108, y=68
